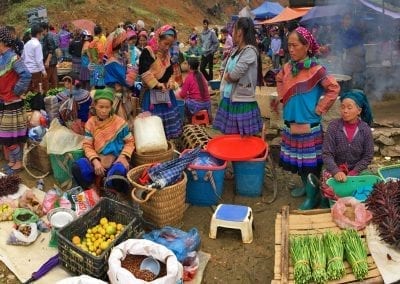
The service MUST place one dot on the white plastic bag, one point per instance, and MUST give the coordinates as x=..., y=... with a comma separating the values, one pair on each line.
x=83, y=279
x=119, y=275
x=60, y=140
x=17, y=238
x=149, y=134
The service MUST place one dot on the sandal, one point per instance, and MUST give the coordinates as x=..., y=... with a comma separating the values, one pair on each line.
x=11, y=171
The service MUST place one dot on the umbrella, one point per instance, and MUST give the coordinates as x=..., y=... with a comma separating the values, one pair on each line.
x=46, y=267
x=168, y=173
x=84, y=24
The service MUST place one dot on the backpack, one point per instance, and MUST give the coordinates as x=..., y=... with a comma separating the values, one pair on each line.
x=270, y=78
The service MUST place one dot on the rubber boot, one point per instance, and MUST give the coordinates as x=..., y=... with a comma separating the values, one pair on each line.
x=313, y=194
x=300, y=191
x=324, y=202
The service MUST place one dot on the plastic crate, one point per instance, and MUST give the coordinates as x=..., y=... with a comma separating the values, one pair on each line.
x=205, y=184
x=249, y=176
x=79, y=261
x=344, y=189
x=390, y=172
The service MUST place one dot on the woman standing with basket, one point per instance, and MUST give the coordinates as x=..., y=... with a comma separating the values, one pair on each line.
x=300, y=85
x=14, y=81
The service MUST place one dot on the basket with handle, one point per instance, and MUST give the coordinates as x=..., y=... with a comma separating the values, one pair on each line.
x=141, y=159
x=160, y=207
x=62, y=165
x=36, y=157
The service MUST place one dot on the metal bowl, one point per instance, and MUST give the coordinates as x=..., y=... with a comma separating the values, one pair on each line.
x=60, y=217
x=344, y=82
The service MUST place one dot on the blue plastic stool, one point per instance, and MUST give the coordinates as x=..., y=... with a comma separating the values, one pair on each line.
x=235, y=217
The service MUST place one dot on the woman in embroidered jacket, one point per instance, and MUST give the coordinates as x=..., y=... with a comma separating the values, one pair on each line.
x=14, y=81
x=300, y=85
x=108, y=145
x=158, y=78
x=238, y=111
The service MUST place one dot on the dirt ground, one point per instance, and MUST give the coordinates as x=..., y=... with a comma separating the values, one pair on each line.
x=231, y=260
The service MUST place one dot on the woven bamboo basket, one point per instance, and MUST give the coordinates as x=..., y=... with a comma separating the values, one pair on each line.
x=163, y=207
x=194, y=136
x=36, y=157
x=150, y=158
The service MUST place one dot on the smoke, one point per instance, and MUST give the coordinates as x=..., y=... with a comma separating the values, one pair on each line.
x=364, y=42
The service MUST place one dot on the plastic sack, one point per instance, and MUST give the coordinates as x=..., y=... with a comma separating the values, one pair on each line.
x=6, y=210
x=82, y=200
x=361, y=215
x=18, y=238
x=190, y=266
x=149, y=141
x=60, y=140
x=83, y=279
x=54, y=198
x=29, y=201
x=119, y=275
x=24, y=216
x=180, y=242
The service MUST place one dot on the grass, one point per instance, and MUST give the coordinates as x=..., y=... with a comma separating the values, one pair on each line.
x=167, y=13
x=140, y=12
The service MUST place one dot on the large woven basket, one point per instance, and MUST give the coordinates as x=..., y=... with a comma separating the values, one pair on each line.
x=166, y=206
x=193, y=136
x=36, y=157
x=150, y=158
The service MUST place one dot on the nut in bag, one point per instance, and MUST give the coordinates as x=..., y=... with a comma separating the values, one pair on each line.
x=23, y=235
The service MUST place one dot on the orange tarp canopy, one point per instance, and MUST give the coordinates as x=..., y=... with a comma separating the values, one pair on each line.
x=287, y=14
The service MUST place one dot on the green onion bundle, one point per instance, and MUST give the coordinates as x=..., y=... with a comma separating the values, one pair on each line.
x=317, y=259
x=334, y=251
x=356, y=253
x=300, y=257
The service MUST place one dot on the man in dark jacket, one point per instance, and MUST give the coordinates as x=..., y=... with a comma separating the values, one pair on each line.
x=49, y=58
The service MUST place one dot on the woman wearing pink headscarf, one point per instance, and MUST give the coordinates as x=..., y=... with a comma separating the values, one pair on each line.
x=300, y=84
x=158, y=78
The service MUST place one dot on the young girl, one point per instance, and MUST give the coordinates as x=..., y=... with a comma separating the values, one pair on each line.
x=195, y=90
x=108, y=145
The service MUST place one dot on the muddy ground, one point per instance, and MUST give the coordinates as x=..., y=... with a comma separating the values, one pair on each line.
x=231, y=260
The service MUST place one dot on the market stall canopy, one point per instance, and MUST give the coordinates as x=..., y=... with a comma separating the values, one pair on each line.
x=267, y=10
x=381, y=8
x=323, y=13
x=287, y=14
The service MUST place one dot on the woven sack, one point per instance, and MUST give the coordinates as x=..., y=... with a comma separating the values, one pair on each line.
x=36, y=157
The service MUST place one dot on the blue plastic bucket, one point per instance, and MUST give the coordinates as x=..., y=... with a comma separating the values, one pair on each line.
x=205, y=182
x=181, y=108
x=249, y=176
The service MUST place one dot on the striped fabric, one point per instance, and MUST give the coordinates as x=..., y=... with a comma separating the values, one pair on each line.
x=169, y=115
x=97, y=76
x=76, y=67
x=13, y=124
x=242, y=118
x=302, y=153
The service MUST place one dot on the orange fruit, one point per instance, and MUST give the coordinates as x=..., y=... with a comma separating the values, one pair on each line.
x=76, y=240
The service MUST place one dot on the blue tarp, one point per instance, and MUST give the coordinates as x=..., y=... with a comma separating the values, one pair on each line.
x=267, y=10
x=324, y=14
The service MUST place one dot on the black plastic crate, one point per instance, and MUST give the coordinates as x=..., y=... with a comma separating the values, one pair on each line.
x=79, y=261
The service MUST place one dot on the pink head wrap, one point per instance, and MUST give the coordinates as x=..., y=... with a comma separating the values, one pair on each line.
x=114, y=40
x=164, y=30
x=130, y=33
x=314, y=46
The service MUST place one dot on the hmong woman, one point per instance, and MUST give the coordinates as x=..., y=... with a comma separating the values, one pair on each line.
x=108, y=146
x=75, y=49
x=96, y=51
x=238, y=111
x=300, y=85
x=157, y=75
x=14, y=81
x=84, y=75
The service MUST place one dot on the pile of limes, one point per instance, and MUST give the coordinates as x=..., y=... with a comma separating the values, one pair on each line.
x=99, y=237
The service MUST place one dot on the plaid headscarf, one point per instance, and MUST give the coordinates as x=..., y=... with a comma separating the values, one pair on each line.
x=6, y=37
x=314, y=46
x=164, y=30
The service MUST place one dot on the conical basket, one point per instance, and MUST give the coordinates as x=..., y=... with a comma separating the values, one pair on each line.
x=164, y=207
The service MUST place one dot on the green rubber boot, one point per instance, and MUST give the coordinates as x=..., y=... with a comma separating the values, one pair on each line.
x=313, y=195
x=300, y=191
x=324, y=203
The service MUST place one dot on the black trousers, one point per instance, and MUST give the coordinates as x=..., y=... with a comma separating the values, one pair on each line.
x=207, y=61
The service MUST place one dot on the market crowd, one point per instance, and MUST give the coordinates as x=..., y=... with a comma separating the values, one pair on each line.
x=110, y=71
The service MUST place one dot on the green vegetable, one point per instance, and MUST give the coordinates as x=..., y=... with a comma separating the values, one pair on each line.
x=334, y=251
x=300, y=258
x=317, y=259
x=356, y=253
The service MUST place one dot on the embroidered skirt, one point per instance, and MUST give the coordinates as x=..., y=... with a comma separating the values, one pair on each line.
x=302, y=153
x=193, y=106
x=169, y=114
x=84, y=74
x=242, y=118
x=76, y=66
x=13, y=124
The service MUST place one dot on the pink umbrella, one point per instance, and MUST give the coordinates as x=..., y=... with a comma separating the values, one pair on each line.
x=84, y=24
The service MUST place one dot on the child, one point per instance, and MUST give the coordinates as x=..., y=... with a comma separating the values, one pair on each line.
x=108, y=146
x=195, y=90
